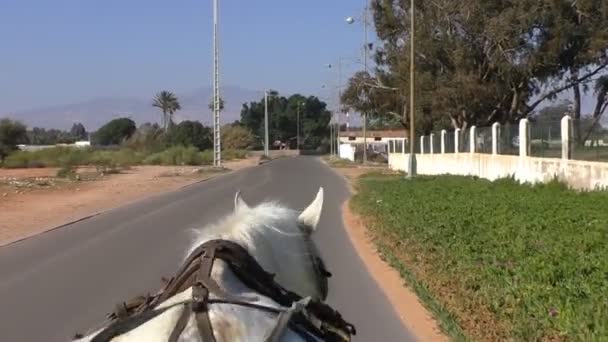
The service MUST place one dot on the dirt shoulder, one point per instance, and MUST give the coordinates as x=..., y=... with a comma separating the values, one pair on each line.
x=411, y=311
x=34, y=200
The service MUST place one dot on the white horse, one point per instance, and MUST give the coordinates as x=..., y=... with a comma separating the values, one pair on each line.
x=279, y=240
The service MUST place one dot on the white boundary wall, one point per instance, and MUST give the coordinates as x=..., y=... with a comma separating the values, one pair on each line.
x=578, y=174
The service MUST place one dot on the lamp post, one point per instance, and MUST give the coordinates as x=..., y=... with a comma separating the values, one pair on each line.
x=351, y=20
x=217, y=148
x=266, y=152
x=412, y=160
x=298, y=124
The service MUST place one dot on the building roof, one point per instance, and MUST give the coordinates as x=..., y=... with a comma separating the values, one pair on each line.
x=373, y=134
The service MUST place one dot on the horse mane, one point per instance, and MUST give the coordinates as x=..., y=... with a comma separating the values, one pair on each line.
x=251, y=226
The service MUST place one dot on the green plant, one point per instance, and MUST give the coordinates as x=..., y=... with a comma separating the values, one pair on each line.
x=508, y=261
x=177, y=155
x=67, y=172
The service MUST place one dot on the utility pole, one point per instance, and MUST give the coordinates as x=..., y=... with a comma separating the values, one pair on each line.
x=217, y=148
x=339, y=100
x=266, y=123
x=365, y=68
x=298, y=127
x=412, y=162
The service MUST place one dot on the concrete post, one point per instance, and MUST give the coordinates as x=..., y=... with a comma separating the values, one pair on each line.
x=457, y=141
x=566, y=137
x=473, y=139
x=431, y=140
x=496, y=138
x=444, y=135
x=422, y=144
x=524, y=138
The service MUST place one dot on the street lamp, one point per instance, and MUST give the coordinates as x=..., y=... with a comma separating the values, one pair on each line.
x=298, y=123
x=266, y=152
x=351, y=20
x=412, y=161
x=217, y=148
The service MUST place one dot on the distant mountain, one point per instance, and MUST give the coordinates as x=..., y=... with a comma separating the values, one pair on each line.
x=94, y=113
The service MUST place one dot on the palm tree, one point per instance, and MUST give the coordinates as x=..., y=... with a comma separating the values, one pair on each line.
x=168, y=104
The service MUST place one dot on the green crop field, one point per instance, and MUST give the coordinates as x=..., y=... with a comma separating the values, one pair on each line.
x=496, y=261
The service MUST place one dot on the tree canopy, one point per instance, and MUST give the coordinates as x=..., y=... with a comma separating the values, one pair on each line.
x=282, y=119
x=237, y=137
x=78, y=131
x=191, y=133
x=479, y=62
x=12, y=133
x=168, y=103
x=115, y=132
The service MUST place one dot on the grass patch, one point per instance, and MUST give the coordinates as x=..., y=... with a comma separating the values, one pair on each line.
x=338, y=162
x=499, y=260
x=107, y=160
x=179, y=155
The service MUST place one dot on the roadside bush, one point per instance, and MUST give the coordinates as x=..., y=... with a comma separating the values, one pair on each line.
x=233, y=154
x=12, y=133
x=177, y=155
x=66, y=172
x=114, y=132
x=50, y=157
x=190, y=133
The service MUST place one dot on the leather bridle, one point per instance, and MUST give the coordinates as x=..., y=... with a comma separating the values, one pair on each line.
x=312, y=320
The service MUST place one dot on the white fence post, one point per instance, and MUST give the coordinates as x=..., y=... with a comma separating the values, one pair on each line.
x=431, y=140
x=496, y=138
x=566, y=137
x=422, y=144
x=473, y=139
x=457, y=140
x=524, y=138
x=444, y=134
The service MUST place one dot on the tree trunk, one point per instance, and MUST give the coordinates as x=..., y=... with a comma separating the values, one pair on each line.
x=577, y=110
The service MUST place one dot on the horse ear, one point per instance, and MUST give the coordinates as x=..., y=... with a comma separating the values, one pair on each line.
x=309, y=218
x=239, y=203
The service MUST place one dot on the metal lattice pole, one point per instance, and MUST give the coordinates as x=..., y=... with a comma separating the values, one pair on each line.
x=217, y=146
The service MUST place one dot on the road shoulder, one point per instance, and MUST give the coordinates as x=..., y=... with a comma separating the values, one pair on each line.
x=27, y=211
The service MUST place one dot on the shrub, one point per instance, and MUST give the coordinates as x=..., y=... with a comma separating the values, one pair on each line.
x=190, y=133
x=177, y=155
x=237, y=137
x=12, y=133
x=66, y=172
x=233, y=154
x=115, y=132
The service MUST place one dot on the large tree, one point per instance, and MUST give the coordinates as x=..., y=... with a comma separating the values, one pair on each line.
x=12, y=133
x=479, y=62
x=168, y=103
x=191, y=133
x=115, y=132
x=282, y=119
x=78, y=131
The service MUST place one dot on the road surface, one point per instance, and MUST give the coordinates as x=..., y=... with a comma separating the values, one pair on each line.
x=66, y=280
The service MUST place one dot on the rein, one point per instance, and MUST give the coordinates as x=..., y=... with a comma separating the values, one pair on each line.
x=310, y=319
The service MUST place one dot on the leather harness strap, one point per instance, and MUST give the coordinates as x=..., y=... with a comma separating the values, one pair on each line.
x=196, y=273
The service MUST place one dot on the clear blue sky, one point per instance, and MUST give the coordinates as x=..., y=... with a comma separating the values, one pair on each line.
x=67, y=51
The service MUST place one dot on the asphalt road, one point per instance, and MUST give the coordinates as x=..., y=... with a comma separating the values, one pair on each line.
x=64, y=281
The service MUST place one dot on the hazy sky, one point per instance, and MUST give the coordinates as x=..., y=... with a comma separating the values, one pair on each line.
x=66, y=51
x=58, y=52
